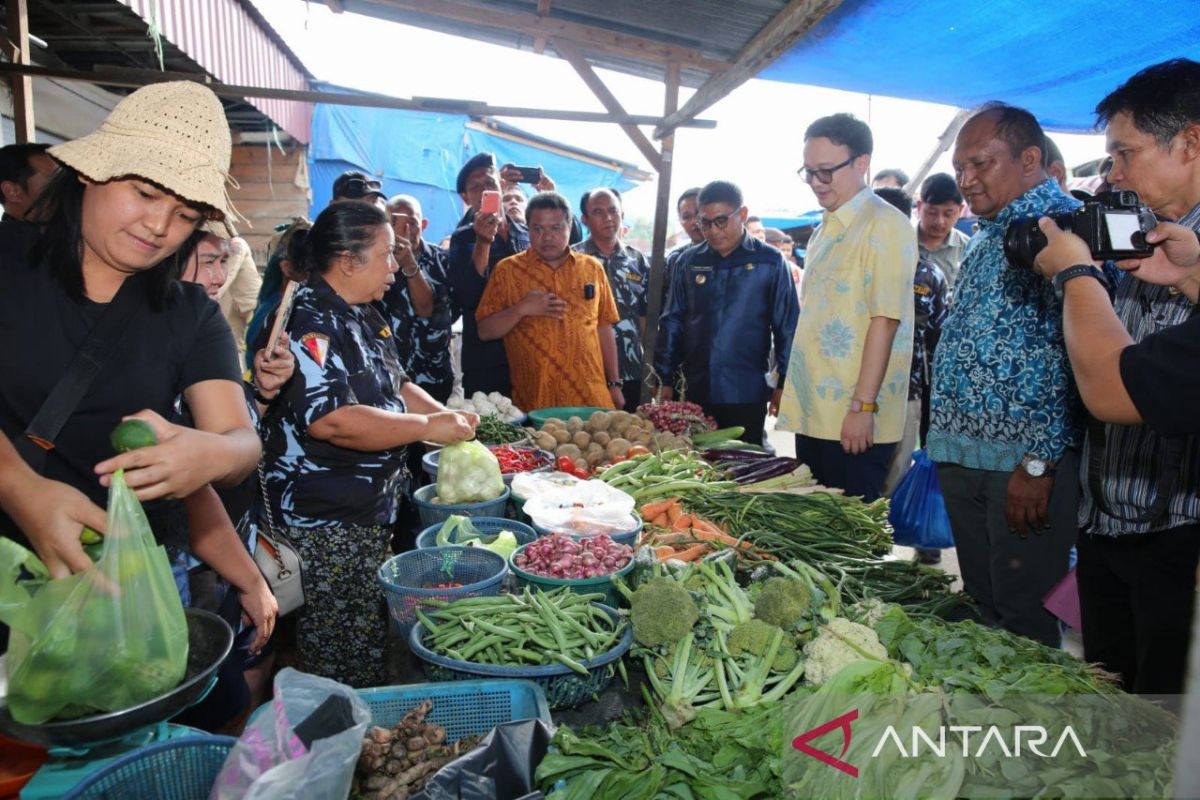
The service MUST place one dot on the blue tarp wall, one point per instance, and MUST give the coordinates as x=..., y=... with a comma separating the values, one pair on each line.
x=1057, y=59
x=420, y=153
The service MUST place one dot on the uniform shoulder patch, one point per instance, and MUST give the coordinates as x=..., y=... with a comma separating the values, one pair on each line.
x=317, y=345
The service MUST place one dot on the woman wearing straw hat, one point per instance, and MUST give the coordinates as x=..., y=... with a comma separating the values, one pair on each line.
x=122, y=216
x=335, y=439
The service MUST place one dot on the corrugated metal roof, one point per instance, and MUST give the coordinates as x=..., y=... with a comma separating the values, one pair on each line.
x=714, y=30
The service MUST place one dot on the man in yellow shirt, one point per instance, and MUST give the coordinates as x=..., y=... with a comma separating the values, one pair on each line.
x=847, y=380
x=555, y=311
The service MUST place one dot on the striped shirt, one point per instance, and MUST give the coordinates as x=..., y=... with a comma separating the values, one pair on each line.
x=1133, y=458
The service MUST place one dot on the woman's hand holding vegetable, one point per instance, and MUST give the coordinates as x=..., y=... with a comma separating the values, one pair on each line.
x=449, y=427
x=52, y=515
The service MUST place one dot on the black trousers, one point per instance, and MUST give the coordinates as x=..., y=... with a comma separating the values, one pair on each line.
x=633, y=395
x=1137, y=596
x=751, y=416
x=487, y=380
x=862, y=475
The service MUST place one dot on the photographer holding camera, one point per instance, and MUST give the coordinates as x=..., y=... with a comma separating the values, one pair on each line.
x=1135, y=360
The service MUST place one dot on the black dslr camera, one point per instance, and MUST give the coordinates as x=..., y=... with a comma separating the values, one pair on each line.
x=1114, y=225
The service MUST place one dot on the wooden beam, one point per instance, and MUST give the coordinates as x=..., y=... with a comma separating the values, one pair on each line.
x=588, y=36
x=21, y=85
x=576, y=59
x=943, y=144
x=662, y=212
x=336, y=6
x=775, y=38
x=134, y=78
x=543, y=10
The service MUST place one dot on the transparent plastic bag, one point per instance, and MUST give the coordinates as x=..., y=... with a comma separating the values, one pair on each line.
x=271, y=761
x=589, y=508
x=103, y=640
x=468, y=473
x=918, y=511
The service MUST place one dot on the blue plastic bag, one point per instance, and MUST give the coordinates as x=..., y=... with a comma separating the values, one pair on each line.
x=918, y=512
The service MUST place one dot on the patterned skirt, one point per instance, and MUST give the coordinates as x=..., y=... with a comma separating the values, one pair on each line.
x=342, y=629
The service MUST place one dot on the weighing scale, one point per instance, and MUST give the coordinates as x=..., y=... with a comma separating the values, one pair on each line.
x=80, y=747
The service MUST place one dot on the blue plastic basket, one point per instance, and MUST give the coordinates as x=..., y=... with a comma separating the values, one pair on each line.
x=564, y=687
x=463, y=708
x=435, y=513
x=429, y=462
x=628, y=537
x=184, y=769
x=489, y=526
x=403, y=578
x=544, y=583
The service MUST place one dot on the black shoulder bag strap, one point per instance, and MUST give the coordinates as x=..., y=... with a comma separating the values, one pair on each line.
x=80, y=374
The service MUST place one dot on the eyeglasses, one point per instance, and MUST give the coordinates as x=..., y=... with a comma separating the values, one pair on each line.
x=822, y=174
x=718, y=222
x=356, y=188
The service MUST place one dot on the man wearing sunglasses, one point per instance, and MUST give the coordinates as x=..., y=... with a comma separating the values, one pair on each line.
x=731, y=298
x=355, y=185
x=846, y=390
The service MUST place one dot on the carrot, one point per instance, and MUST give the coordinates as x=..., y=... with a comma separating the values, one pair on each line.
x=692, y=553
x=674, y=512
x=683, y=523
x=661, y=521
x=652, y=510
x=719, y=537
x=675, y=538
x=664, y=552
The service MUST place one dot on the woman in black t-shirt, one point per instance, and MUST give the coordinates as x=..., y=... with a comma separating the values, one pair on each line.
x=124, y=209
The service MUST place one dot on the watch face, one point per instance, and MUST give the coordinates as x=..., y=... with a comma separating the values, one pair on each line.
x=1035, y=467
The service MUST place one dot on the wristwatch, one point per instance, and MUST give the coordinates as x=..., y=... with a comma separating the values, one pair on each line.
x=1077, y=271
x=1036, y=468
x=862, y=405
x=615, y=384
x=413, y=274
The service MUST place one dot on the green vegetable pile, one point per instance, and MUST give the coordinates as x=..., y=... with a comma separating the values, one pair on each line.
x=458, y=530
x=529, y=629
x=657, y=476
x=494, y=430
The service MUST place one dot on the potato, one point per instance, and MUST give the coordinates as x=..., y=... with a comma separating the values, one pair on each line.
x=595, y=455
x=600, y=421
x=602, y=438
x=582, y=439
x=545, y=441
x=618, y=448
x=663, y=439
x=560, y=435
x=570, y=451
x=643, y=438
x=574, y=425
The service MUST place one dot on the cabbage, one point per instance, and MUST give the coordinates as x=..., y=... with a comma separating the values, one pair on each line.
x=468, y=473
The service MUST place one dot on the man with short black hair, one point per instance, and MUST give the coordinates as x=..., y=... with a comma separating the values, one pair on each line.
x=754, y=226
x=938, y=208
x=846, y=389
x=356, y=185
x=1139, y=539
x=890, y=179
x=731, y=299
x=1005, y=423
x=555, y=312
x=25, y=169
x=628, y=276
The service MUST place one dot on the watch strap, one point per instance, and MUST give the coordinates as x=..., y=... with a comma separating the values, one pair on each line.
x=1077, y=271
x=863, y=405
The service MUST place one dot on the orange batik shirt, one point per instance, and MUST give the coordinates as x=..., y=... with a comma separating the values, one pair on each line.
x=554, y=362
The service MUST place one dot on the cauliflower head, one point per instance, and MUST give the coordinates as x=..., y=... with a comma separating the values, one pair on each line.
x=838, y=644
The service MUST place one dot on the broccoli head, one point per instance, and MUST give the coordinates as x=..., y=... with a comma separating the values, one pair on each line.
x=782, y=602
x=753, y=637
x=662, y=611
x=786, y=658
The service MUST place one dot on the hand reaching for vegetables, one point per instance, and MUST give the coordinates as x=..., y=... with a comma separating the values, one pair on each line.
x=52, y=515
x=448, y=427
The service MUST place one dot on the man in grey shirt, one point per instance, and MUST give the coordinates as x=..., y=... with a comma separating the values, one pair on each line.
x=938, y=209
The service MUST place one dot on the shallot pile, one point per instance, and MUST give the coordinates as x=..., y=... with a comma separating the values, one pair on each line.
x=677, y=416
x=560, y=556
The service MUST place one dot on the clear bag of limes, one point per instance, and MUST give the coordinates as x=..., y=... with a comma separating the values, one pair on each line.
x=103, y=640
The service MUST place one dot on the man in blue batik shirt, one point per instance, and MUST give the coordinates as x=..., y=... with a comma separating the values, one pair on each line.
x=1006, y=423
x=730, y=299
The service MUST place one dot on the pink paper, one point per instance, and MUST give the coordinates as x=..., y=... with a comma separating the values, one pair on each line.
x=1063, y=601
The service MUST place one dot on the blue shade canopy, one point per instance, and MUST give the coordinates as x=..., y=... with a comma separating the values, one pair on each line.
x=420, y=153
x=1056, y=59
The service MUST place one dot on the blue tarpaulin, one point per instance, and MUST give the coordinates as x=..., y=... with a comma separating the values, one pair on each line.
x=420, y=152
x=1055, y=59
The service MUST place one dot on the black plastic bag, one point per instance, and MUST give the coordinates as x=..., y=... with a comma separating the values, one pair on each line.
x=501, y=768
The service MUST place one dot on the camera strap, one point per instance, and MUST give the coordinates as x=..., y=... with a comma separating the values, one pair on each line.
x=1164, y=487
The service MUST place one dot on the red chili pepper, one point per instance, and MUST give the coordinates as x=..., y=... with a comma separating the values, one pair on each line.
x=514, y=460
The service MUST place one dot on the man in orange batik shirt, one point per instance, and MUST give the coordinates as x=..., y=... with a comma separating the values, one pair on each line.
x=555, y=311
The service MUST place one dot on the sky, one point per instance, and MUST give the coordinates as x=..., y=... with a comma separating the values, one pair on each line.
x=756, y=144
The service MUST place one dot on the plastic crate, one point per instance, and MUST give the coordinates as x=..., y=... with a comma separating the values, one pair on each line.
x=429, y=462
x=564, y=688
x=628, y=537
x=184, y=769
x=488, y=526
x=403, y=578
x=435, y=513
x=539, y=417
x=579, y=586
x=463, y=708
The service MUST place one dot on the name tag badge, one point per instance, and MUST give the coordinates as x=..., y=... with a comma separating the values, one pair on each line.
x=633, y=276
x=924, y=291
x=702, y=268
x=749, y=266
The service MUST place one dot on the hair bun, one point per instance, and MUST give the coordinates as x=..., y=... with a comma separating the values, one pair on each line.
x=299, y=249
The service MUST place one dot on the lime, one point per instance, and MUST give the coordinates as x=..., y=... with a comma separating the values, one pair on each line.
x=132, y=434
x=90, y=536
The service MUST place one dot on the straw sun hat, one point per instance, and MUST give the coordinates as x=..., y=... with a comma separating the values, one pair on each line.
x=173, y=134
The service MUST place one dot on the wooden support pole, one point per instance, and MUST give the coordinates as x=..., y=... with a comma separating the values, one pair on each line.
x=22, y=85
x=943, y=144
x=662, y=213
x=577, y=60
x=543, y=10
x=775, y=39
x=138, y=77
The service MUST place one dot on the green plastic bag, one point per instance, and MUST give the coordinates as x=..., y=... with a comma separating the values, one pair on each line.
x=103, y=640
x=468, y=473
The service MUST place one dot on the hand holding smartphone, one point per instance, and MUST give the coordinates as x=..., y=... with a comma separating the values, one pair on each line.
x=490, y=204
x=282, y=313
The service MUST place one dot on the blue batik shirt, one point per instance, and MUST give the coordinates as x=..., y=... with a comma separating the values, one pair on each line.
x=345, y=355
x=1002, y=386
x=628, y=275
x=424, y=342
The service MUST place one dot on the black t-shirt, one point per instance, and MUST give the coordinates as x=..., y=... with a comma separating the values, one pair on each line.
x=1162, y=375
x=161, y=353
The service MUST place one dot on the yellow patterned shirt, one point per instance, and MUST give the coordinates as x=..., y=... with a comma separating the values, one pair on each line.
x=860, y=264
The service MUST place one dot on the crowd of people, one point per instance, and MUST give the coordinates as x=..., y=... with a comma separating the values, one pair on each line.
x=1061, y=412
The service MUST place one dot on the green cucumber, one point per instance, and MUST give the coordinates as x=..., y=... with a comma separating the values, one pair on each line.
x=710, y=437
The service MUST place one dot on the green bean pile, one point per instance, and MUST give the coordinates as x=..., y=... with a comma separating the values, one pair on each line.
x=493, y=430
x=521, y=630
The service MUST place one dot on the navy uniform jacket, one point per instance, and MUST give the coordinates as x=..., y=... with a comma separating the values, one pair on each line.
x=424, y=343
x=722, y=317
x=930, y=294
x=345, y=355
x=628, y=275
